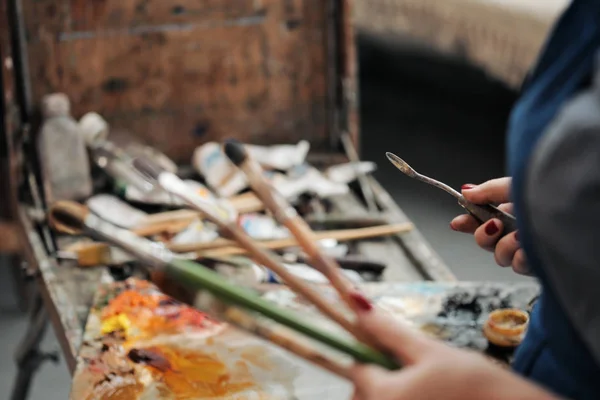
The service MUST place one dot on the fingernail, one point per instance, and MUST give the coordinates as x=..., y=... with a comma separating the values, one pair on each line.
x=491, y=228
x=517, y=236
x=467, y=186
x=361, y=302
x=452, y=227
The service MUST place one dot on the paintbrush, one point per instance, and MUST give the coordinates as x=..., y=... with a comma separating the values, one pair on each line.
x=342, y=235
x=269, y=331
x=75, y=219
x=285, y=214
x=174, y=185
x=481, y=212
x=94, y=253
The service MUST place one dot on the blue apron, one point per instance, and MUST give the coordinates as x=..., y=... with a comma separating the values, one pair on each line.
x=553, y=353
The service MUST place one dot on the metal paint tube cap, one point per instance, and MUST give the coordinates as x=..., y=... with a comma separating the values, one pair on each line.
x=56, y=105
x=94, y=128
x=506, y=327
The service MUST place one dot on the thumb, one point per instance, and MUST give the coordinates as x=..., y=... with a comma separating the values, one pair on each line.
x=493, y=191
x=405, y=343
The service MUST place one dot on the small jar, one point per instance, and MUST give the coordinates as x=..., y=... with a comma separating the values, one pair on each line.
x=506, y=327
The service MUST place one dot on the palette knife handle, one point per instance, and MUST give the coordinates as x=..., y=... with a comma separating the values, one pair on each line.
x=484, y=213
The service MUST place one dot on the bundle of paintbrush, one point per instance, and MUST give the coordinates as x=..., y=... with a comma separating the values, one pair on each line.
x=284, y=213
x=73, y=218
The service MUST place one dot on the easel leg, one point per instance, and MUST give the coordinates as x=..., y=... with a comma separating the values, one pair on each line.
x=28, y=356
x=21, y=282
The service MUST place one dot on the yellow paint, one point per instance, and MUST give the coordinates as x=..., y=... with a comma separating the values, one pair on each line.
x=119, y=322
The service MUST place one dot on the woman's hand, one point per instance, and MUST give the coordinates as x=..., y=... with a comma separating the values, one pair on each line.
x=431, y=369
x=507, y=251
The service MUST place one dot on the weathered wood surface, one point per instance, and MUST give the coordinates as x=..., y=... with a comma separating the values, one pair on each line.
x=503, y=37
x=177, y=74
x=422, y=256
x=388, y=250
x=66, y=290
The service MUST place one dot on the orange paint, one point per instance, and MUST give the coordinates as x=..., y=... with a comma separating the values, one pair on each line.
x=126, y=392
x=194, y=374
x=153, y=314
x=129, y=302
x=179, y=374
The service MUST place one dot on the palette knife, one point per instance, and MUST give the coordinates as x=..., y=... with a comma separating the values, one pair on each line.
x=481, y=212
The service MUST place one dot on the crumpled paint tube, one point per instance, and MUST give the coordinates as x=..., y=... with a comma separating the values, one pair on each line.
x=115, y=211
x=227, y=180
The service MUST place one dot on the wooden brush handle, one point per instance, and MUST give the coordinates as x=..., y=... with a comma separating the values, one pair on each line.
x=286, y=215
x=263, y=257
x=90, y=254
x=176, y=221
x=171, y=227
x=342, y=235
x=200, y=278
x=283, y=339
x=172, y=184
x=324, y=264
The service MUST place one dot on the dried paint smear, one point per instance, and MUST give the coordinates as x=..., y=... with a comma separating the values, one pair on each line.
x=141, y=344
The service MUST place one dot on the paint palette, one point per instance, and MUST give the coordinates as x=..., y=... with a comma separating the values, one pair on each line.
x=452, y=312
x=141, y=344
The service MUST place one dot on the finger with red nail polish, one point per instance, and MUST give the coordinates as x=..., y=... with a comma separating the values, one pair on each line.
x=360, y=303
x=488, y=234
x=491, y=228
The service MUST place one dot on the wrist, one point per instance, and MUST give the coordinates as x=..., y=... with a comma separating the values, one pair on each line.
x=496, y=383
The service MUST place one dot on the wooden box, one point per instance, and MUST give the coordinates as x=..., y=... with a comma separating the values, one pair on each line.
x=177, y=74
x=180, y=73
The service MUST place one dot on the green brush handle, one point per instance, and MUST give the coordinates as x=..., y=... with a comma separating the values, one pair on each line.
x=200, y=277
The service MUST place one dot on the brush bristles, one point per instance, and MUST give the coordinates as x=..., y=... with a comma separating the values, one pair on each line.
x=147, y=167
x=68, y=217
x=235, y=151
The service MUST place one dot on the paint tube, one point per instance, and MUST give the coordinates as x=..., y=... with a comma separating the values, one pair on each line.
x=94, y=128
x=281, y=157
x=219, y=173
x=307, y=179
x=333, y=248
x=157, y=196
x=95, y=131
x=161, y=197
x=249, y=274
x=115, y=211
x=310, y=274
x=346, y=173
x=135, y=150
x=246, y=274
x=227, y=180
x=198, y=232
x=262, y=227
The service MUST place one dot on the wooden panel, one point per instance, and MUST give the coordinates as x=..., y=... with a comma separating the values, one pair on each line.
x=178, y=74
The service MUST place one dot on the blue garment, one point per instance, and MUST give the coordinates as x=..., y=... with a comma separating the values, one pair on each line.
x=553, y=353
